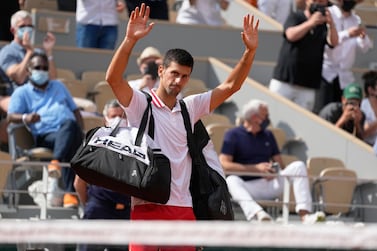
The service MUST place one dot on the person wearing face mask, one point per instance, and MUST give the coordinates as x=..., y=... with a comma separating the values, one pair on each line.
x=338, y=62
x=369, y=106
x=297, y=74
x=99, y=202
x=14, y=58
x=47, y=109
x=251, y=147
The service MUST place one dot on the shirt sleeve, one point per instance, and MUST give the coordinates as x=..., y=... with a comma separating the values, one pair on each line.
x=17, y=102
x=229, y=144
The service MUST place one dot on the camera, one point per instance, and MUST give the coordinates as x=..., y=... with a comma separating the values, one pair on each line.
x=318, y=7
x=276, y=167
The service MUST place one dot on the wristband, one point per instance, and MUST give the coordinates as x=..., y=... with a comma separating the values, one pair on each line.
x=50, y=58
x=24, y=121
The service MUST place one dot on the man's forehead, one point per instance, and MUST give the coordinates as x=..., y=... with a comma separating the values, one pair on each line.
x=26, y=20
x=37, y=60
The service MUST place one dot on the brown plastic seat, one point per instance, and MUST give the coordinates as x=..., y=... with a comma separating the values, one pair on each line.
x=336, y=188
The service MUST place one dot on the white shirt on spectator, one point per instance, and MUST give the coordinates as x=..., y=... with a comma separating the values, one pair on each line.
x=97, y=12
x=339, y=61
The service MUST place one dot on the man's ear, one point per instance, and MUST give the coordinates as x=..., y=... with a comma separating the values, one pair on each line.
x=13, y=30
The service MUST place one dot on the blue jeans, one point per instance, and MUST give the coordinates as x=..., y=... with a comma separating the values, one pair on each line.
x=96, y=36
x=64, y=144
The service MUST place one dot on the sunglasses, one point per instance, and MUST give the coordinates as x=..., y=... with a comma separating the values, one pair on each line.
x=26, y=25
x=40, y=68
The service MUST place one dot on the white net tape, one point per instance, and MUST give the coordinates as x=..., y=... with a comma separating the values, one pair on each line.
x=231, y=234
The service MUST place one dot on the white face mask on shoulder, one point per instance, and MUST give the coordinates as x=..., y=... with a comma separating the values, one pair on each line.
x=112, y=122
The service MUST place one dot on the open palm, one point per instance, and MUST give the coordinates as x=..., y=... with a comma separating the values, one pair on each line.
x=250, y=32
x=137, y=25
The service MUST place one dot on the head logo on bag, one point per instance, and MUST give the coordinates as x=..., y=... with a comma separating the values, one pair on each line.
x=115, y=145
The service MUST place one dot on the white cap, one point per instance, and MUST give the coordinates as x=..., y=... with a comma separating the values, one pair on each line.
x=147, y=53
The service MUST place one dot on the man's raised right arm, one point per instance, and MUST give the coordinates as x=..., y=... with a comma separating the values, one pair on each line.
x=137, y=28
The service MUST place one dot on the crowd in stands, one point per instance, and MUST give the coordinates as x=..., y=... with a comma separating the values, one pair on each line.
x=314, y=70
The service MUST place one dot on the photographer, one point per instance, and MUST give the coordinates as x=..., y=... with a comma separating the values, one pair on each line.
x=347, y=114
x=297, y=74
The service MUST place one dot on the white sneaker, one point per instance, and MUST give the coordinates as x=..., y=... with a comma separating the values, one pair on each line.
x=263, y=216
x=314, y=218
x=54, y=193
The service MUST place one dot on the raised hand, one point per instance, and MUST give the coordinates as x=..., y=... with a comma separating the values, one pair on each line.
x=137, y=25
x=49, y=42
x=250, y=32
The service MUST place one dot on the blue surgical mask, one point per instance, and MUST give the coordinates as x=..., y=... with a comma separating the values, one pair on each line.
x=265, y=123
x=22, y=30
x=39, y=77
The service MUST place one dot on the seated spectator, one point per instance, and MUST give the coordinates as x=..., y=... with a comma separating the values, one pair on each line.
x=347, y=114
x=148, y=63
x=369, y=106
x=99, y=202
x=250, y=147
x=14, y=58
x=47, y=109
x=206, y=12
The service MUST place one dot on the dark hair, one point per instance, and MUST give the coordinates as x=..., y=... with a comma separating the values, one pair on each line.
x=151, y=69
x=370, y=80
x=39, y=53
x=180, y=56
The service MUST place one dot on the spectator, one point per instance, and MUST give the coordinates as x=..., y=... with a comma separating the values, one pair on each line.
x=159, y=8
x=99, y=202
x=338, y=61
x=298, y=71
x=47, y=109
x=276, y=9
x=347, y=114
x=15, y=56
x=148, y=62
x=250, y=147
x=206, y=12
x=97, y=23
x=170, y=133
x=369, y=106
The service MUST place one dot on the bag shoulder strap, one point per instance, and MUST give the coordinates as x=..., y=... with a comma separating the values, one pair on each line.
x=190, y=135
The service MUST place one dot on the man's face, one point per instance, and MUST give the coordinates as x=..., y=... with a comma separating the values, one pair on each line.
x=353, y=103
x=22, y=26
x=113, y=112
x=37, y=63
x=174, y=78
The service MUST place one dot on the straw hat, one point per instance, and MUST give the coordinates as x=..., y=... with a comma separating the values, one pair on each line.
x=147, y=53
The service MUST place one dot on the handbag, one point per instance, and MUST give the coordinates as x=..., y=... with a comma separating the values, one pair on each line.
x=209, y=191
x=125, y=160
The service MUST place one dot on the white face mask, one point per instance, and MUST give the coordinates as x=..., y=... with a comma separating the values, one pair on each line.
x=112, y=122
